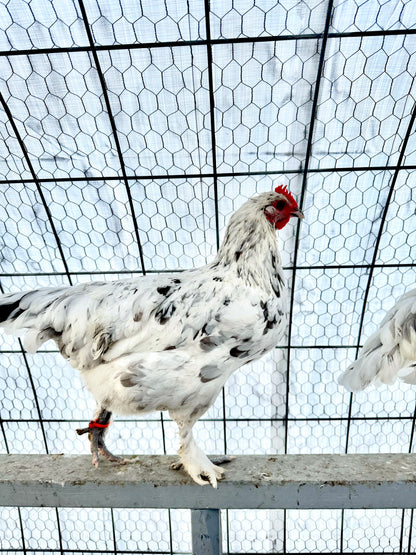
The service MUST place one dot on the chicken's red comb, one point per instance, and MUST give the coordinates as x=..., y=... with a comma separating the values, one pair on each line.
x=283, y=190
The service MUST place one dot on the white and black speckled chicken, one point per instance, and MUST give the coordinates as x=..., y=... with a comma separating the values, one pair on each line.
x=169, y=342
x=390, y=352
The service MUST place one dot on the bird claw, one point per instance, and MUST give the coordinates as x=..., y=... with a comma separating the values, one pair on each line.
x=206, y=476
x=210, y=477
x=96, y=437
x=102, y=448
x=221, y=459
x=81, y=431
x=176, y=465
x=203, y=478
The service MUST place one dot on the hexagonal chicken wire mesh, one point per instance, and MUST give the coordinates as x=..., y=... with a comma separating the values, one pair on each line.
x=130, y=131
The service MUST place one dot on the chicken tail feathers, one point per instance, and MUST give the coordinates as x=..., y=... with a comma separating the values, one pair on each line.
x=408, y=374
x=362, y=371
x=380, y=361
x=26, y=311
x=10, y=307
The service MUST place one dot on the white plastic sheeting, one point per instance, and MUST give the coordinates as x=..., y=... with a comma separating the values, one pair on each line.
x=129, y=153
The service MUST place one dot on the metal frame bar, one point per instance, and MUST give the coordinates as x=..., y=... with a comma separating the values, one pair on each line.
x=302, y=197
x=290, y=268
x=203, y=175
x=212, y=115
x=235, y=419
x=37, y=183
x=202, y=42
x=113, y=129
x=206, y=531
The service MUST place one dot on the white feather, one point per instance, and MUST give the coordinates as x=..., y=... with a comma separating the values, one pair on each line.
x=390, y=353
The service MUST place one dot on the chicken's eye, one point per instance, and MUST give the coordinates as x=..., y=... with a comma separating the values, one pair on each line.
x=280, y=205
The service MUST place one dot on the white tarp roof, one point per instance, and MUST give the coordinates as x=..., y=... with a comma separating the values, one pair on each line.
x=130, y=131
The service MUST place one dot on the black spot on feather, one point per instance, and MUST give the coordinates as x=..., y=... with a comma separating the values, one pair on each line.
x=200, y=409
x=265, y=310
x=204, y=329
x=170, y=348
x=165, y=313
x=128, y=380
x=209, y=372
x=237, y=255
x=239, y=353
x=276, y=289
x=102, y=342
x=138, y=316
x=217, y=278
x=270, y=325
x=176, y=280
x=392, y=354
x=187, y=398
x=10, y=311
x=210, y=342
x=227, y=302
x=49, y=333
x=163, y=290
x=131, y=379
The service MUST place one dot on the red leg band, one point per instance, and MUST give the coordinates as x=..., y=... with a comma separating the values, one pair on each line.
x=95, y=424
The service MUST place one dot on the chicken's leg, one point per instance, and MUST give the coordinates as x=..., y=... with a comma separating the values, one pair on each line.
x=96, y=431
x=194, y=461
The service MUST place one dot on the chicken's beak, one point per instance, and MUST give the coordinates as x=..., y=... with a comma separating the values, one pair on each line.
x=298, y=213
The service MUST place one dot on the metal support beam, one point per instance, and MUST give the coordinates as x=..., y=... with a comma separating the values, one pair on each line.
x=252, y=482
x=206, y=532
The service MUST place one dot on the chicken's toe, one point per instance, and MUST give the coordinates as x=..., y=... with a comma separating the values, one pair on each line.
x=222, y=459
x=102, y=448
x=176, y=465
x=219, y=472
x=204, y=472
x=212, y=476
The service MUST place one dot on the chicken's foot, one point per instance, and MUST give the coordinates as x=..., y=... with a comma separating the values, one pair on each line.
x=221, y=459
x=96, y=431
